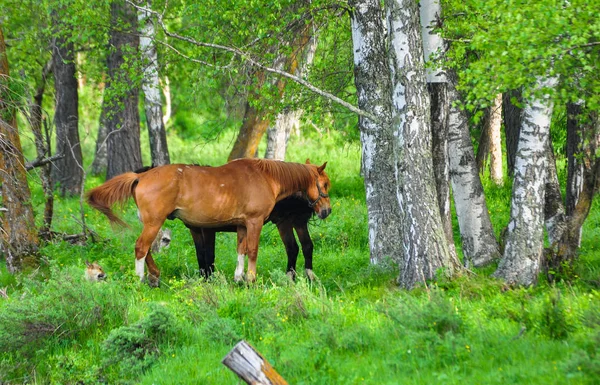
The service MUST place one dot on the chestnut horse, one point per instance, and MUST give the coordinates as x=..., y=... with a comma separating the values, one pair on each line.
x=289, y=214
x=241, y=193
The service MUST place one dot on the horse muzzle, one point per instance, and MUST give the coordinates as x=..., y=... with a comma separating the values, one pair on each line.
x=324, y=212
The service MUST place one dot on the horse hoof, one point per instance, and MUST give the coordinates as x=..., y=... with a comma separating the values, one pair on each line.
x=153, y=281
x=291, y=275
x=238, y=278
x=310, y=275
x=250, y=277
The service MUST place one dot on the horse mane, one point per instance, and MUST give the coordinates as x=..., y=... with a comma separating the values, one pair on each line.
x=291, y=176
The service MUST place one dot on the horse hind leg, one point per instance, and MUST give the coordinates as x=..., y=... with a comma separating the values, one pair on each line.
x=307, y=248
x=143, y=255
x=242, y=250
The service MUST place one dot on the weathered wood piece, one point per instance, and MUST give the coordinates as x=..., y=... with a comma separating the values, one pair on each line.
x=251, y=366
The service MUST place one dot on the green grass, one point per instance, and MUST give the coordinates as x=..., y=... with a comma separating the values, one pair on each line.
x=352, y=326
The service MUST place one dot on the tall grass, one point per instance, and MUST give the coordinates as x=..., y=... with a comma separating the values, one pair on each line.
x=352, y=326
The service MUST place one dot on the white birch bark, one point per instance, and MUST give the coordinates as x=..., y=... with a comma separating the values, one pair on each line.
x=433, y=45
x=525, y=238
x=422, y=236
x=373, y=85
x=495, y=122
x=479, y=244
x=151, y=87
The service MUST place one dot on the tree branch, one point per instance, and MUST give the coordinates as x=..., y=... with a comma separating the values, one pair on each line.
x=42, y=161
x=246, y=57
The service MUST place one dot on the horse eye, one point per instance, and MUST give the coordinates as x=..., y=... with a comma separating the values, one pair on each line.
x=166, y=240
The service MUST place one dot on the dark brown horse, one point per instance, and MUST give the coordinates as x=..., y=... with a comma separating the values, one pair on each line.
x=289, y=214
x=241, y=193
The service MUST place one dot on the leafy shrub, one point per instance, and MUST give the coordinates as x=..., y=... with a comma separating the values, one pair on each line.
x=554, y=322
x=221, y=330
x=61, y=310
x=136, y=347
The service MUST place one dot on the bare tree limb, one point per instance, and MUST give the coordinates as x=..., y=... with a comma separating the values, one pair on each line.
x=246, y=57
x=42, y=161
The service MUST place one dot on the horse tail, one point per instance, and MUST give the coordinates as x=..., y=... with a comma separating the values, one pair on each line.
x=116, y=190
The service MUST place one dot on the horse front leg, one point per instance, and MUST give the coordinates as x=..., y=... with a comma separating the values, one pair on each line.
x=286, y=232
x=253, y=229
x=142, y=254
x=307, y=248
x=242, y=250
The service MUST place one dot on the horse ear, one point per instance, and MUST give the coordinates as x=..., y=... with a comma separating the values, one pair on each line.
x=307, y=161
x=322, y=167
x=87, y=263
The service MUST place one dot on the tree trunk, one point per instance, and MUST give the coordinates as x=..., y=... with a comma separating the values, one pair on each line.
x=478, y=241
x=253, y=128
x=67, y=172
x=279, y=133
x=495, y=123
x=433, y=44
x=123, y=120
x=575, y=167
x=42, y=146
x=554, y=209
x=100, y=156
x=512, y=125
x=255, y=122
x=564, y=251
x=374, y=91
x=289, y=119
x=421, y=233
x=523, y=251
x=18, y=233
x=151, y=87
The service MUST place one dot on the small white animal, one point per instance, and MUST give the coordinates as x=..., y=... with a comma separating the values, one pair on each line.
x=162, y=241
x=94, y=272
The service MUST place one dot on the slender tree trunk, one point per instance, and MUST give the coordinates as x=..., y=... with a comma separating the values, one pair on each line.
x=151, y=87
x=42, y=145
x=478, y=241
x=575, y=168
x=433, y=44
x=421, y=234
x=495, y=122
x=255, y=122
x=374, y=91
x=18, y=233
x=100, y=156
x=67, y=171
x=512, y=126
x=564, y=251
x=123, y=120
x=279, y=133
x=166, y=89
x=523, y=251
x=554, y=209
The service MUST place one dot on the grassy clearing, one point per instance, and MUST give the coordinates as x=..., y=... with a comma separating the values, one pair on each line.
x=353, y=326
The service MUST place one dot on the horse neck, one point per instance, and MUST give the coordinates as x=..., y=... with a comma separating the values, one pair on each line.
x=284, y=187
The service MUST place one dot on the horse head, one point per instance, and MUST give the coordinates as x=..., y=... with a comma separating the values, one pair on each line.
x=318, y=192
x=94, y=272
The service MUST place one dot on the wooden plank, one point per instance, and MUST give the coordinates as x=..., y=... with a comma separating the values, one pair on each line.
x=251, y=366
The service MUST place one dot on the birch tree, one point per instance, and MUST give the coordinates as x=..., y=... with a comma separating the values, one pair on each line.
x=520, y=263
x=433, y=46
x=421, y=234
x=150, y=85
x=374, y=91
x=478, y=241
